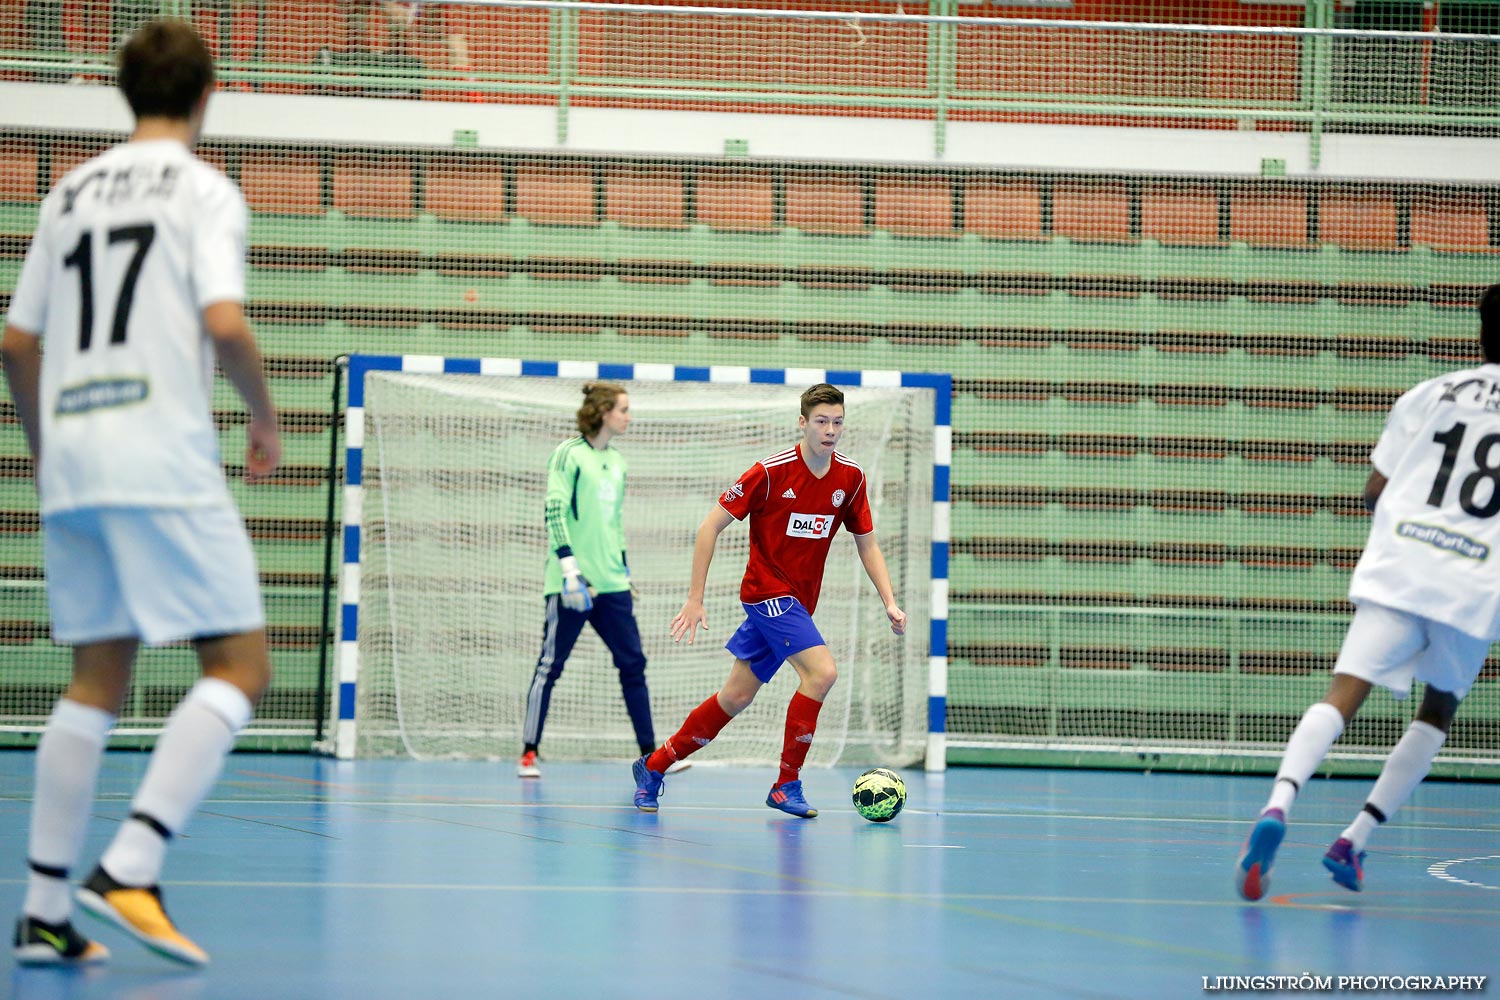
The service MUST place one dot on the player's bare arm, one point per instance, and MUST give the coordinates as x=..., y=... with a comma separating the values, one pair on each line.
x=693, y=616
x=880, y=576
x=235, y=347
x=1374, y=486
x=23, y=373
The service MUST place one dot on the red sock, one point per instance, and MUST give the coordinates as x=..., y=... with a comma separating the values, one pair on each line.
x=698, y=731
x=801, y=721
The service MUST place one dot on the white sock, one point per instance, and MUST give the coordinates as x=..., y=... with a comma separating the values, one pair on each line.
x=1404, y=770
x=1358, y=832
x=184, y=766
x=1321, y=724
x=67, y=769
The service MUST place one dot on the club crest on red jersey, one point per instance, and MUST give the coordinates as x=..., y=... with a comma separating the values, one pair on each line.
x=838, y=498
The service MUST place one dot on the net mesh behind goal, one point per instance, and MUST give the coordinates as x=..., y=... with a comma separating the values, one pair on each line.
x=454, y=544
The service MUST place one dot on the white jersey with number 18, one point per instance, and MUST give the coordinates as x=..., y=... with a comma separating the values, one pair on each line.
x=1433, y=541
x=130, y=248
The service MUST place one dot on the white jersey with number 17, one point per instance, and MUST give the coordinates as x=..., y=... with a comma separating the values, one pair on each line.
x=1433, y=542
x=130, y=248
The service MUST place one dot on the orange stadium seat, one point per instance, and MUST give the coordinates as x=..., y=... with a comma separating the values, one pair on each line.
x=19, y=171
x=282, y=181
x=1180, y=213
x=68, y=153
x=215, y=156
x=646, y=196
x=1273, y=215
x=556, y=194
x=15, y=34
x=466, y=188
x=373, y=186
x=737, y=200
x=914, y=205
x=296, y=31
x=1361, y=219
x=1004, y=208
x=502, y=41
x=1453, y=221
x=86, y=26
x=825, y=201
x=1094, y=211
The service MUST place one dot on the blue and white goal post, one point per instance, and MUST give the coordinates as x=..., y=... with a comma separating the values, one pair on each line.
x=364, y=368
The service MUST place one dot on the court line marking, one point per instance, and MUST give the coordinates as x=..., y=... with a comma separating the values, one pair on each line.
x=1368, y=907
x=760, y=810
x=1441, y=870
x=266, y=822
x=817, y=890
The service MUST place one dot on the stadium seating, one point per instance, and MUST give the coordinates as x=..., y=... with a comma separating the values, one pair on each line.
x=1166, y=388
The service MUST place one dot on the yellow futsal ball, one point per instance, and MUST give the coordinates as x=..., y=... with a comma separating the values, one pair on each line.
x=879, y=794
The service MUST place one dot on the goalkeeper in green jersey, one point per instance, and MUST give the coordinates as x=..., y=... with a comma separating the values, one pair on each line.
x=588, y=580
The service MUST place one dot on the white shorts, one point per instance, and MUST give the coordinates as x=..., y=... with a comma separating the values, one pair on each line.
x=1389, y=648
x=157, y=573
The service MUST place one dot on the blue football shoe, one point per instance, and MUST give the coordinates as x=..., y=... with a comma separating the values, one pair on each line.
x=647, y=785
x=1346, y=865
x=1252, y=873
x=788, y=798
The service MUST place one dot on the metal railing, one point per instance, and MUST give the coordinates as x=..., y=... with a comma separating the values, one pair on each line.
x=940, y=66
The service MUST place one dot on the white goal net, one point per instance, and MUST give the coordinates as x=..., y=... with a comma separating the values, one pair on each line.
x=453, y=545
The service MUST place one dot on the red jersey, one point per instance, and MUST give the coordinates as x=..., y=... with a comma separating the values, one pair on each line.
x=793, y=518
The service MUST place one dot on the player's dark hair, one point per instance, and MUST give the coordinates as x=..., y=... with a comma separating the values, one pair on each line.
x=821, y=394
x=1489, y=323
x=598, y=399
x=164, y=69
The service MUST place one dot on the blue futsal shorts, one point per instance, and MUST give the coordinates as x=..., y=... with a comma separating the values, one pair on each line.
x=772, y=631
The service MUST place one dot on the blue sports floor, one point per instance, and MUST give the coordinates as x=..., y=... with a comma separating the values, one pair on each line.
x=305, y=877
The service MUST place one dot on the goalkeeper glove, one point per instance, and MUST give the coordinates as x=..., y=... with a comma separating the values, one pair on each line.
x=576, y=593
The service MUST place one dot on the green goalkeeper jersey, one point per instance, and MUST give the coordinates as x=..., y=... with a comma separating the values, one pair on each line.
x=585, y=499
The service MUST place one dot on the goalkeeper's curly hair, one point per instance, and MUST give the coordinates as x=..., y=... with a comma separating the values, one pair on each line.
x=598, y=399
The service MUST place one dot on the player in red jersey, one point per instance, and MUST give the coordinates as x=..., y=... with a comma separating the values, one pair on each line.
x=796, y=500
